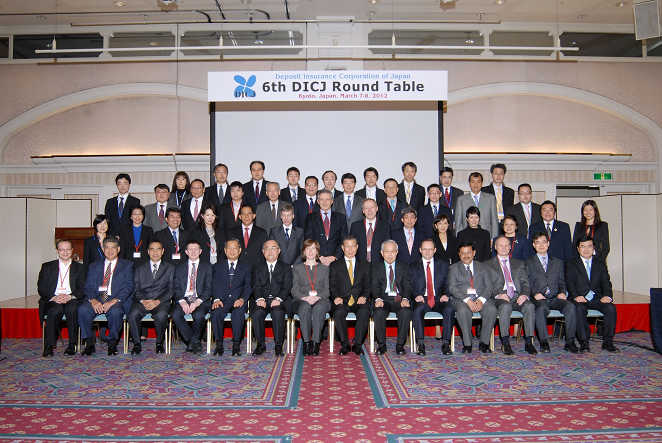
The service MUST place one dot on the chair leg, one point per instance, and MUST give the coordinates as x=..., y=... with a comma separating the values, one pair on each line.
x=332, y=330
x=169, y=337
x=371, y=328
x=43, y=336
x=453, y=339
x=516, y=330
x=249, y=336
x=412, y=338
x=492, y=340
x=437, y=332
x=126, y=337
x=209, y=336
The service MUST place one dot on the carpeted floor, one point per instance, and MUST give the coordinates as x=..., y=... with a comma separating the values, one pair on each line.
x=333, y=398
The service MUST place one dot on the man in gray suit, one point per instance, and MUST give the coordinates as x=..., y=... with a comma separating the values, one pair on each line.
x=485, y=202
x=547, y=284
x=288, y=236
x=471, y=284
x=348, y=203
x=266, y=215
x=512, y=294
x=156, y=212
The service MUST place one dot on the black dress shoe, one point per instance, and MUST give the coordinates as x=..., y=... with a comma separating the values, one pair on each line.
x=357, y=349
x=344, y=350
x=446, y=349
x=421, y=349
x=316, y=349
x=71, y=350
x=544, y=347
x=219, y=350
x=112, y=348
x=609, y=347
x=89, y=350
x=381, y=350
x=137, y=349
x=530, y=348
x=160, y=349
x=278, y=350
x=583, y=347
x=236, y=350
x=571, y=347
x=466, y=349
x=306, y=348
x=485, y=349
x=259, y=349
x=48, y=351
x=400, y=350
x=505, y=347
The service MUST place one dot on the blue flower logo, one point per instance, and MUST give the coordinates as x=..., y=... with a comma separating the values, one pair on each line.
x=245, y=86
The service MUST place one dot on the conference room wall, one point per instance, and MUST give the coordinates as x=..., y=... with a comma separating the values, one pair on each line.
x=41, y=218
x=13, y=251
x=640, y=242
x=73, y=213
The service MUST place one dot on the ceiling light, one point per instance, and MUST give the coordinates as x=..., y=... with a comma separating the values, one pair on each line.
x=153, y=44
x=120, y=3
x=446, y=4
x=469, y=41
x=620, y=4
x=373, y=2
x=500, y=2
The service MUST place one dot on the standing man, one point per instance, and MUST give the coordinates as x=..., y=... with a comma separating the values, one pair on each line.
x=255, y=190
x=409, y=191
x=108, y=285
x=288, y=236
x=370, y=232
x=326, y=227
x=504, y=195
x=428, y=281
x=370, y=190
x=217, y=193
x=408, y=237
x=251, y=236
x=192, y=208
x=429, y=212
x=348, y=203
x=118, y=209
x=60, y=287
x=228, y=217
x=306, y=204
x=449, y=192
x=173, y=238
x=267, y=212
x=329, y=179
x=154, y=286
x=558, y=232
x=293, y=191
x=155, y=214
x=526, y=212
x=485, y=202
x=391, y=209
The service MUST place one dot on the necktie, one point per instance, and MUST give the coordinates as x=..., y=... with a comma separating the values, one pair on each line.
x=231, y=273
x=273, y=211
x=499, y=203
x=409, y=194
x=350, y=271
x=271, y=270
x=257, y=192
x=509, y=279
x=155, y=269
x=392, y=203
x=588, y=268
x=246, y=237
x=471, y=276
x=120, y=207
x=196, y=210
x=106, y=280
x=220, y=193
x=410, y=240
x=447, y=196
x=161, y=214
x=327, y=225
x=549, y=231
x=429, y=286
x=310, y=205
x=544, y=263
x=435, y=210
x=391, y=278
x=369, y=235
x=191, y=283
x=527, y=213
x=476, y=200
x=287, y=233
x=348, y=207
x=174, y=237
x=294, y=194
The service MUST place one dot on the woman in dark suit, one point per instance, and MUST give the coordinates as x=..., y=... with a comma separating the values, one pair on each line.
x=180, y=189
x=211, y=238
x=520, y=247
x=592, y=226
x=475, y=234
x=444, y=240
x=93, y=246
x=134, y=239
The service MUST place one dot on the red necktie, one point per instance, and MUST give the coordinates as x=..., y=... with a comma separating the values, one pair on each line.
x=369, y=239
x=246, y=237
x=161, y=214
x=196, y=210
x=430, y=286
x=327, y=225
x=447, y=196
x=310, y=206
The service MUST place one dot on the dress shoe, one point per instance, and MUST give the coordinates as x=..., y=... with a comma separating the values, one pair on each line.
x=219, y=350
x=259, y=349
x=609, y=347
x=421, y=349
x=358, y=349
x=306, y=348
x=71, y=350
x=160, y=349
x=112, y=348
x=446, y=348
x=583, y=347
x=344, y=350
x=236, y=349
x=196, y=347
x=571, y=347
x=485, y=349
x=544, y=347
x=529, y=347
x=89, y=349
x=466, y=349
x=381, y=350
x=278, y=350
x=506, y=348
x=137, y=349
x=400, y=349
x=48, y=351
x=316, y=349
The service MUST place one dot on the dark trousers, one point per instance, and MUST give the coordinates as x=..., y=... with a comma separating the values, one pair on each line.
x=258, y=315
x=609, y=319
x=566, y=307
x=404, y=317
x=444, y=308
x=159, y=315
x=238, y=316
x=362, y=313
x=190, y=333
x=55, y=311
x=86, y=317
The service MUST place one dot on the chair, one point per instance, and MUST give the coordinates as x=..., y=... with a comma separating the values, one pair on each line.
x=148, y=317
x=391, y=316
x=125, y=330
x=43, y=333
x=475, y=316
x=332, y=329
x=291, y=331
x=432, y=315
x=188, y=317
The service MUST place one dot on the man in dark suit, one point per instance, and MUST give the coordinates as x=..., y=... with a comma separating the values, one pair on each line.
x=255, y=191
x=266, y=215
x=192, y=296
x=193, y=207
x=326, y=227
x=60, y=287
x=231, y=291
x=370, y=232
x=391, y=292
x=558, y=232
x=292, y=191
x=472, y=287
x=547, y=284
x=391, y=209
x=118, y=209
x=288, y=236
x=409, y=191
x=272, y=284
x=173, y=238
x=108, y=285
x=408, y=237
x=329, y=179
x=348, y=203
x=349, y=288
x=525, y=212
x=505, y=196
x=153, y=283
x=251, y=236
x=428, y=282
x=371, y=190
x=217, y=193
x=228, y=216
x=589, y=287
x=512, y=294
x=306, y=204
x=155, y=213
x=449, y=192
x=429, y=212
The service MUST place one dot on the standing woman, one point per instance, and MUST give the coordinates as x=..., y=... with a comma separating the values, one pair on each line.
x=473, y=233
x=134, y=239
x=181, y=185
x=444, y=240
x=93, y=246
x=594, y=228
x=210, y=236
x=310, y=291
x=521, y=248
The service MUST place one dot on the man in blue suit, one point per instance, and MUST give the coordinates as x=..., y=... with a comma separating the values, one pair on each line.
x=108, y=286
x=558, y=232
x=231, y=290
x=408, y=237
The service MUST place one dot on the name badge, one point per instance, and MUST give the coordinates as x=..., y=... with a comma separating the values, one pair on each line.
x=471, y=291
x=392, y=293
x=103, y=288
x=314, y=293
x=176, y=256
x=60, y=291
x=136, y=255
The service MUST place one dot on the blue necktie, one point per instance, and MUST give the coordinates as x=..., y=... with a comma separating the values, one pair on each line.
x=476, y=200
x=435, y=210
x=120, y=207
x=287, y=233
x=392, y=203
x=348, y=207
x=588, y=269
x=174, y=237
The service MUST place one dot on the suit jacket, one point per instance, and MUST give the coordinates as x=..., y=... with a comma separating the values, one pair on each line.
x=517, y=211
x=381, y=233
x=404, y=256
x=251, y=254
x=418, y=275
x=286, y=195
x=480, y=239
x=520, y=248
x=340, y=284
x=229, y=289
x=227, y=219
x=206, y=244
x=600, y=239
x=290, y=250
x=172, y=200
x=393, y=218
x=121, y=285
x=203, y=281
x=380, y=280
x=488, y=214
x=301, y=211
x=579, y=283
x=188, y=223
x=212, y=196
x=379, y=194
x=263, y=216
x=160, y=287
x=48, y=280
x=426, y=218
x=280, y=285
x=454, y=194
x=114, y=219
x=559, y=244
x=417, y=195
x=459, y=281
x=301, y=284
x=553, y=279
x=152, y=216
x=507, y=197
x=518, y=273
x=128, y=243
x=168, y=242
x=249, y=193
x=449, y=253
x=357, y=208
x=337, y=232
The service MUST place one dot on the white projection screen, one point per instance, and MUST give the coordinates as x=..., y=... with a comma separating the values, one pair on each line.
x=341, y=136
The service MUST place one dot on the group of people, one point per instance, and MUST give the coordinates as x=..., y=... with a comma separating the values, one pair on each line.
x=233, y=248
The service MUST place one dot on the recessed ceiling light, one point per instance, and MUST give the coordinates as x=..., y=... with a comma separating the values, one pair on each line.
x=620, y=4
x=374, y=2
x=469, y=41
x=500, y=2
x=153, y=44
x=120, y=3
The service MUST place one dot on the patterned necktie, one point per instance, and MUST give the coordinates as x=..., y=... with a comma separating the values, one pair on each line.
x=273, y=211
x=191, y=283
x=287, y=233
x=161, y=214
x=310, y=205
x=544, y=263
x=294, y=194
x=106, y=280
x=348, y=207
x=429, y=286
x=527, y=213
x=549, y=231
x=196, y=210
x=155, y=269
x=246, y=237
x=327, y=225
x=510, y=290
x=231, y=274
x=391, y=278
x=174, y=237
x=369, y=236
x=435, y=210
x=220, y=193
x=447, y=196
x=120, y=207
x=410, y=240
x=471, y=276
x=271, y=270
x=499, y=203
x=476, y=200
x=408, y=194
x=257, y=192
x=350, y=271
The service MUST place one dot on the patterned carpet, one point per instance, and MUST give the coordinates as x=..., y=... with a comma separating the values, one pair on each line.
x=630, y=436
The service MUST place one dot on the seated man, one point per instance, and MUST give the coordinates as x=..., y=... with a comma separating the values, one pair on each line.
x=428, y=281
x=272, y=284
x=349, y=287
x=153, y=283
x=589, y=287
x=471, y=284
x=547, y=284
x=231, y=289
x=60, y=287
x=108, y=285
x=391, y=292
x=512, y=294
x=192, y=295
